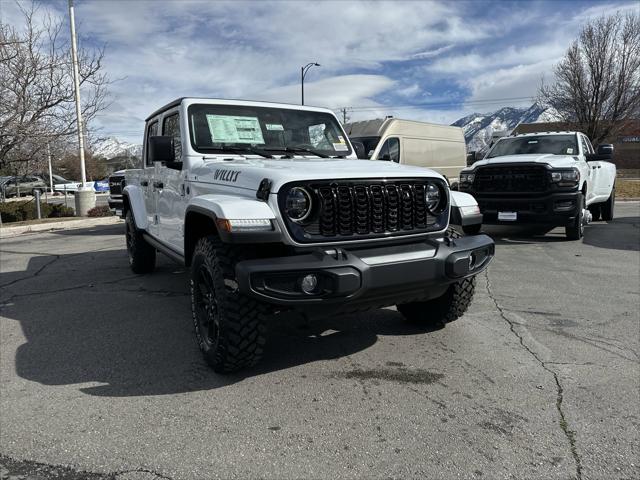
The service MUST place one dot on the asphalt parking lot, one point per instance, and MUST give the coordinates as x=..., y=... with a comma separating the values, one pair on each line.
x=101, y=377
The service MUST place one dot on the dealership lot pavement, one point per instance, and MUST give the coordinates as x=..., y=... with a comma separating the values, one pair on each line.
x=99, y=372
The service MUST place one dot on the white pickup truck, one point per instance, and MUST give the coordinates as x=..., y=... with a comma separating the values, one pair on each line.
x=551, y=178
x=269, y=208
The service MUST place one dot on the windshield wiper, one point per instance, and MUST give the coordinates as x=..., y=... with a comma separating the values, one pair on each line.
x=255, y=151
x=298, y=150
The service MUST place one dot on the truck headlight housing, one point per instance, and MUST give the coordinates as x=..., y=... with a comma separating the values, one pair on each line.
x=565, y=178
x=467, y=177
x=298, y=204
x=434, y=198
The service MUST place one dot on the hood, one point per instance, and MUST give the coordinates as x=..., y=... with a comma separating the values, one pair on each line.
x=249, y=172
x=555, y=161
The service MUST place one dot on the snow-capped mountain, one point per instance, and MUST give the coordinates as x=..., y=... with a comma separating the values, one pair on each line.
x=479, y=127
x=112, y=147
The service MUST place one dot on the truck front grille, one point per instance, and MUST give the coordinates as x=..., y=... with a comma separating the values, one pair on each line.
x=116, y=184
x=357, y=209
x=511, y=179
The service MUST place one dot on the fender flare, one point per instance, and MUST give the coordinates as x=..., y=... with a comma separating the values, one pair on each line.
x=464, y=209
x=230, y=207
x=135, y=199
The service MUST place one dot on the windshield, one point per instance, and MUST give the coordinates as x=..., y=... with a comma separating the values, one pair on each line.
x=234, y=128
x=553, y=144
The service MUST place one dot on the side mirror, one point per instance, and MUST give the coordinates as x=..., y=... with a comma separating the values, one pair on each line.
x=605, y=149
x=604, y=152
x=161, y=150
x=471, y=158
x=360, y=150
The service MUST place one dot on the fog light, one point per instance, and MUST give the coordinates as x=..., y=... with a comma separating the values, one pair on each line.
x=472, y=261
x=309, y=283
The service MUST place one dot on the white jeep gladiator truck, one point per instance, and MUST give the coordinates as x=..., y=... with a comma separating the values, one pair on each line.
x=269, y=208
x=550, y=178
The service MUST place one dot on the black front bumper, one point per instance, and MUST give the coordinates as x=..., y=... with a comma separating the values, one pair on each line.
x=553, y=209
x=366, y=277
x=116, y=204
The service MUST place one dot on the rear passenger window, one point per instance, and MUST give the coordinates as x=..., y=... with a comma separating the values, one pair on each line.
x=586, y=145
x=152, y=131
x=171, y=128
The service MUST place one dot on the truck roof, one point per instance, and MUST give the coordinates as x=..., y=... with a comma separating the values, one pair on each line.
x=536, y=134
x=222, y=101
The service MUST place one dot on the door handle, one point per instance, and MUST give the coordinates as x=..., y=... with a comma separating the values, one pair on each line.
x=158, y=185
x=144, y=183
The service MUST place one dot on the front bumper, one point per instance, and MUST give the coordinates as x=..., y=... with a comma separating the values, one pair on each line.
x=553, y=209
x=367, y=277
x=116, y=204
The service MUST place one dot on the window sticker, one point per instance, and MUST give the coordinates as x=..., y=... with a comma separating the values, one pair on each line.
x=341, y=138
x=233, y=129
x=340, y=147
x=274, y=126
x=569, y=151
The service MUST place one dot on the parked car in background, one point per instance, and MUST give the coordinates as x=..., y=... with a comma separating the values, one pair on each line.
x=116, y=186
x=101, y=186
x=19, y=186
x=68, y=186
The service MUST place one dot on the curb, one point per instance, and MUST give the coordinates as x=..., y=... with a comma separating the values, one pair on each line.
x=7, y=232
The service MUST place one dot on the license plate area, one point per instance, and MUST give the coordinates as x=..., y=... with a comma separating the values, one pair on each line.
x=508, y=216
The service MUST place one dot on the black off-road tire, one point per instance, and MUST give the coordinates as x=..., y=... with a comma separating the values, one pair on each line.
x=575, y=230
x=608, y=207
x=444, y=309
x=448, y=307
x=230, y=327
x=596, y=211
x=142, y=256
x=472, y=229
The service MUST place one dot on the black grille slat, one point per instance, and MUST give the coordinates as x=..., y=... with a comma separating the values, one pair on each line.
x=327, y=217
x=378, y=211
x=511, y=179
x=345, y=210
x=392, y=197
x=362, y=209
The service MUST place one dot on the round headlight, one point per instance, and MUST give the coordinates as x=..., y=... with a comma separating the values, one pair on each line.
x=433, y=196
x=298, y=204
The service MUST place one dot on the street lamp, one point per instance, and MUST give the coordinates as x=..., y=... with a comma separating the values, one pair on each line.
x=303, y=72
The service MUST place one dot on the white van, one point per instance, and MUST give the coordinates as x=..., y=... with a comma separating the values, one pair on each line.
x=408, y=142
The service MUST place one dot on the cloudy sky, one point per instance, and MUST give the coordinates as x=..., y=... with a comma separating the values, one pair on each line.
x=435, y=61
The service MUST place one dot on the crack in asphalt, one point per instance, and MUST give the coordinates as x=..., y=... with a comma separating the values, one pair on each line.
x=14, y=468
x=564, y=425
x=141, y=470
x=66, y=289
x=35, y=274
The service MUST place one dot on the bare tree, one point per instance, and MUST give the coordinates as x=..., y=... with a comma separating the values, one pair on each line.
x=597, y=83
x=36, y=87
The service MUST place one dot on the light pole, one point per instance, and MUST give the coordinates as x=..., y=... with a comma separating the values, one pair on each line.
x=303, y=72
x=85, y=196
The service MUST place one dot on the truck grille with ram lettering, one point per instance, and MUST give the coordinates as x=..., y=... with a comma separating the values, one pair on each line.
x=362, y=209
x=511, y=179
x=116, y=184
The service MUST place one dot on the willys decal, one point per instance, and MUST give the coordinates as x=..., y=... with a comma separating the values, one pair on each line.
x=226, y=175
